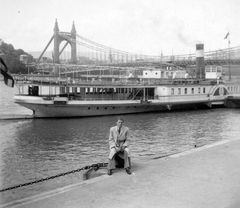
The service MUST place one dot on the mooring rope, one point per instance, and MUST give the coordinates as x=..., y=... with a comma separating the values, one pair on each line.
x=97, y=165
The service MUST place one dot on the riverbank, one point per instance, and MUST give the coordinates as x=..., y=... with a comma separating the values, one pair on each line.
x=207, y=176
x=15, y=116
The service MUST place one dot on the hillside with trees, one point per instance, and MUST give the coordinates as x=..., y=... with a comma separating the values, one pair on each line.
x=11, y=57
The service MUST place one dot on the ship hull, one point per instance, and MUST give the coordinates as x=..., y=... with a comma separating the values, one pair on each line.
x=47, y=109
x=233, y=102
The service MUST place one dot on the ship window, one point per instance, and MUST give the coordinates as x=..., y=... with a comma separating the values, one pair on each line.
x=192, y=90
x=199, y=90
x=204, y=90
x=172, y=91
x=185, y=90
x=179, y=91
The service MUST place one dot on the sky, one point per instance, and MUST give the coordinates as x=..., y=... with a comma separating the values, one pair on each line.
x=150, y=27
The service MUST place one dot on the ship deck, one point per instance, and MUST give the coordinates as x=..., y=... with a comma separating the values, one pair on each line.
x=109, y=82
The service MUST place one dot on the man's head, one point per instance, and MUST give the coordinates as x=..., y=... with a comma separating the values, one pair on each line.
x=120, y=121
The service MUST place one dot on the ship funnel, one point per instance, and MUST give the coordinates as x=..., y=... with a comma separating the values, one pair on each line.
x=200, y=61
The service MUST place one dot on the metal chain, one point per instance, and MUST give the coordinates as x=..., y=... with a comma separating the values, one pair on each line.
x=97, y=165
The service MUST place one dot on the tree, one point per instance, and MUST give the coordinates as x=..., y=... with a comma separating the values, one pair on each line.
x=12, y=59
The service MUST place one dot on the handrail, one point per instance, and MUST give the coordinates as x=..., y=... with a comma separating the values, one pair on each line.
x=101, y=82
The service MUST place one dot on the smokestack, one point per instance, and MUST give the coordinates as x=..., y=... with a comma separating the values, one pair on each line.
x=200, y=61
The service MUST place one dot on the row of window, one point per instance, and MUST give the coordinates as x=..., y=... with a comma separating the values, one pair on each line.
x=109, y=108
x=199, y=90
x=99, y=90
x=128, y=90
x=233, y=88
x=185, y=90
x=107, y=90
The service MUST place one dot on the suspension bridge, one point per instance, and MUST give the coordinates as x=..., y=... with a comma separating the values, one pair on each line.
x=87, y=52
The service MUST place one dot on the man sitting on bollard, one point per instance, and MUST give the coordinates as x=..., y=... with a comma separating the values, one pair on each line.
x=118, y=141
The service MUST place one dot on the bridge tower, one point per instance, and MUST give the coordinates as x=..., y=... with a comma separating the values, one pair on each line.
x=58, y=39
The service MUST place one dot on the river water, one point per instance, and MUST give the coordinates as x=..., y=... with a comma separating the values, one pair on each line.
x=32, y=149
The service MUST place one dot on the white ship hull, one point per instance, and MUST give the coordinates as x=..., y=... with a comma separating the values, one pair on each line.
x=42, y=108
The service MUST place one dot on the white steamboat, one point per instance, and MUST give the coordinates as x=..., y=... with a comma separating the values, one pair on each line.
x=94, y=94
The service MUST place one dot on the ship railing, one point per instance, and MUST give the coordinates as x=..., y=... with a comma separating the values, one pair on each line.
x=146, y=98
x=161, y=98
x=80, y=81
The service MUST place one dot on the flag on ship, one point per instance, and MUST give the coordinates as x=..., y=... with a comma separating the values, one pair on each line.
x=8, y=79
x=226, y=36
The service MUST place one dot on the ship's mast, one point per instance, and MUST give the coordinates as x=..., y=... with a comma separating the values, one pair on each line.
x=229, y=67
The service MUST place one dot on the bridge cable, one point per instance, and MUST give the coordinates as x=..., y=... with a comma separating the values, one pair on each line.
x=102, y=48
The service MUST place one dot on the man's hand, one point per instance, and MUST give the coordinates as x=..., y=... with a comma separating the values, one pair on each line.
x=118, y=148
x=122, y=148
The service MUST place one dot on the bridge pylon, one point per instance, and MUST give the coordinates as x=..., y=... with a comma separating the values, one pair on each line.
x=69, y=37
x=57, y=41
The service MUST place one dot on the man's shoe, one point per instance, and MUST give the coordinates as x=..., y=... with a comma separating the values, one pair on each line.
x=109, y=172
x=128, y=171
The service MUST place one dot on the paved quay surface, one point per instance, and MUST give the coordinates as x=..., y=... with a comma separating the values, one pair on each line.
x=207, y=176
x=15, y=116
